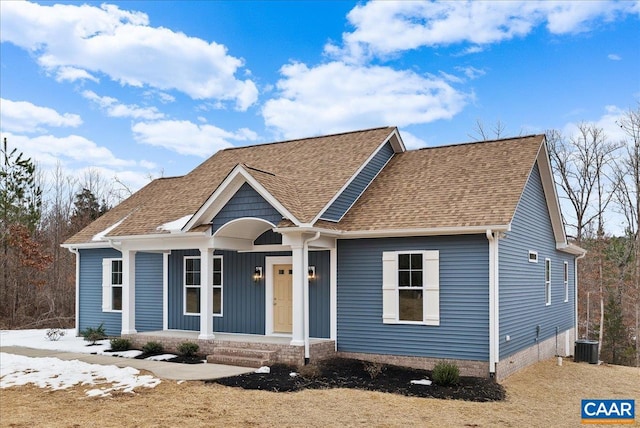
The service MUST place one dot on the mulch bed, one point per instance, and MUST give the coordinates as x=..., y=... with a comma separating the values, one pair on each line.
x=349, y=373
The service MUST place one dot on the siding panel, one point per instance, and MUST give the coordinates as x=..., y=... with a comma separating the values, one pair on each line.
x=90, y=313
x=464, y=299
x=319, y=291
x=246, y=203
x=353, y=191
x=522, y=290
x=148, y=292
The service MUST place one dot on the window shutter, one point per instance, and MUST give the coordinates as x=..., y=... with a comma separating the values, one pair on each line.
x=106, y=284
x=431, y=301
x=389, y=287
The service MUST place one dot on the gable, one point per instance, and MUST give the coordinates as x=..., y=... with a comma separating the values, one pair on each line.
x=246, y=202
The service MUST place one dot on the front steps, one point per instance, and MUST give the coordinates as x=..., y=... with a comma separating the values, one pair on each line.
x=245, y=357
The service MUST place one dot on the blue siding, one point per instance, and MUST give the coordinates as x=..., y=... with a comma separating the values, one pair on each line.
x=245, y=203
x=243, y=298
x=353, y=191
x=269, y=238
x=522, y=290
x=319, y=291
x=464, y=299
x=148, y=292
x=90, y=312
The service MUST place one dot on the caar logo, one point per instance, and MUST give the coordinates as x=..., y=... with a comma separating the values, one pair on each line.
x=608, y=411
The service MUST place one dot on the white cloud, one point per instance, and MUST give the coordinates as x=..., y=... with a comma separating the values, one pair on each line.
x=614, y=57
x=115, y=109
x=383, y=28
x=411, y=142
x=335, y=97
x=607, y=122
x=471, y=72
x=47, y=150
x=23, y=116
x=68, y=39
x=188, y=138
x=71, y=74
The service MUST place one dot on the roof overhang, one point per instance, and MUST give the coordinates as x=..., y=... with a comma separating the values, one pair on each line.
x=391, y=233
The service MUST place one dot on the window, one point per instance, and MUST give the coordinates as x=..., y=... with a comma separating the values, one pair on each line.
x=112, y=285
x=533, y=256
x=192, y=274
x=566, y=281
x=410, y=287
x=547, y=281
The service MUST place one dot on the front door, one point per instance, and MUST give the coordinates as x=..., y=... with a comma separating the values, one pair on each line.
x=282, y=298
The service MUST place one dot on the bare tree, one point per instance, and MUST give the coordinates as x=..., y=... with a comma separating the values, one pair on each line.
x=496, y=132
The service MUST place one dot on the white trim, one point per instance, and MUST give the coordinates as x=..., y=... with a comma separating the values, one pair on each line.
x=86, y=245
x=534, y=259
x=165, y=291
x=547, y=283
x=494, y=301
x=392, y=233
x=221, y=286
x=333, y=294
x=107, y=284
x=353, y=177
x=77, y=321
x=269, y=262
x=128, y=292
x=225, y=191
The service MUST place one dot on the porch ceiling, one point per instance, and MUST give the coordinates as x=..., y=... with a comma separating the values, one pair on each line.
x=244, y=228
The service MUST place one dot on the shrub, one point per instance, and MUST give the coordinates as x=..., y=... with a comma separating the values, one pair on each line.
x=92, y=335
x=310, y=371
x=373, y=369
x=188, y=349
x=120, y=344
x=446, y=374
x=152, y=348
x=54, y=334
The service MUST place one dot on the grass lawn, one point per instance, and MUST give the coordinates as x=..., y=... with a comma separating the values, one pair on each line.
x=543, y=395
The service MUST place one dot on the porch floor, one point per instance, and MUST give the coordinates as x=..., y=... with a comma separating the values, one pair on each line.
x=230, y=337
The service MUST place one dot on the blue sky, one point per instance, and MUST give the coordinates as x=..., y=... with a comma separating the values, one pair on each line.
x=136, y=90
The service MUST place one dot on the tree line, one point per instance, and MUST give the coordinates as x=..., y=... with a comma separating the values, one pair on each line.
x=597, y=178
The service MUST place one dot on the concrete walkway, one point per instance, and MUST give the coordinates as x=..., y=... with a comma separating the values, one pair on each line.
x=161, y=369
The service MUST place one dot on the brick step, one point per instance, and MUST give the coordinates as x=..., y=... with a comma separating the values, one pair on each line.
x=244, y=352
x=234, y=360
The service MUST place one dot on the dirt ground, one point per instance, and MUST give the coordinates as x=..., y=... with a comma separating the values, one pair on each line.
x=543, y=395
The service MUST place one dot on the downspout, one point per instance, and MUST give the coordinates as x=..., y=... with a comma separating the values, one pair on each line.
x=305, y=293
x=493, y=303
x=575, y=292
x=77, y=253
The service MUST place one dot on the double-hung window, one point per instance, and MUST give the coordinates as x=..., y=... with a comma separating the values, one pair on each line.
x=111, y=285
x=566, y=281
x=410, y=287
x=547, y=281
x=192, y=277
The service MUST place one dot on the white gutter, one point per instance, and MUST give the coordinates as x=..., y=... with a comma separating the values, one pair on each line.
x=305, y=293
x=494, y=296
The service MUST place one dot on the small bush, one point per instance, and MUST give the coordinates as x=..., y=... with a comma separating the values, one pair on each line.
x=188, y=349
x=310, y=371
x=120, y=344
x=373, y=369
x=54, y=334
x=446, y=374
x=92, y=335
x=152, y=348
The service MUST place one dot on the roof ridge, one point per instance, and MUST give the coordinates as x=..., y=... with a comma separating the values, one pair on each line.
x=258, y=170
x=469, y=143
x=306, y=138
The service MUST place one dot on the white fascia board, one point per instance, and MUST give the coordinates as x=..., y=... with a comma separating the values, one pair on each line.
x=571, y=249
x=551, y=196
x=391, y=233
x=87, y=245
x=398, y=147
x=225, y=191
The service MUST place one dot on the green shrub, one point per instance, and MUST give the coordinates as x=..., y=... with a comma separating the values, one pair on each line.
x=152, y=348
x=188, y=349
x=120, y=344
x=446, y=374
x=92, y=335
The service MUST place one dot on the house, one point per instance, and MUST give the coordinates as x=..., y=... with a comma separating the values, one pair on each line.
x=343, y=243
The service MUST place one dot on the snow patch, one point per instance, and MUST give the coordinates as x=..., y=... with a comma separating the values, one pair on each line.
x=426, y=382
x=263, y=369
x=100, y=236
x=162, y=357
x=293, y=374
x=125, y=354
x=176, y=225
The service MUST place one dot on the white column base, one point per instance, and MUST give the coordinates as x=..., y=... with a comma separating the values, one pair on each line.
x=134, y=331
x=206, y=336
x=295, y=342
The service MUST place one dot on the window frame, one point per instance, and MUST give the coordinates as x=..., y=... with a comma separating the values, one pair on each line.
x=109, y=286
x=566, y=281
x=409, y=287
x=547, y=281
x=214, y=286
x=535, y=258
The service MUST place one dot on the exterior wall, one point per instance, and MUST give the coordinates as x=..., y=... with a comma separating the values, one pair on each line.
x=148, y=291
x=243, y=307
x=90, y=312
x=353, y=191
x=245, y=203
x=269, y=238
x=553, y=346
x=463, y=333
x=523, y=310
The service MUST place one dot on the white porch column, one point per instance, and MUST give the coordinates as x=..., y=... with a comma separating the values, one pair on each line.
x=333, y=293
x=299, y=278
x=128, y=292
x=206, y=293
